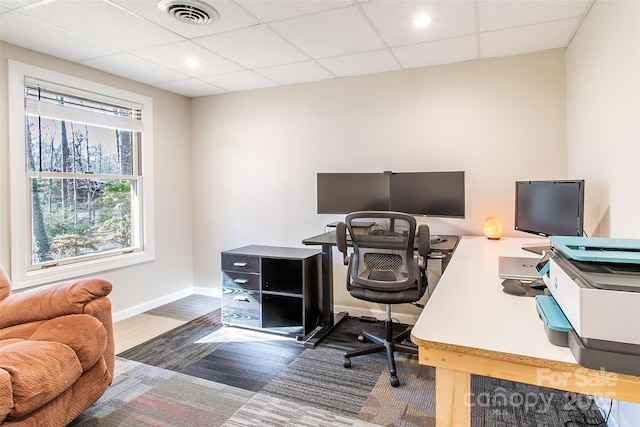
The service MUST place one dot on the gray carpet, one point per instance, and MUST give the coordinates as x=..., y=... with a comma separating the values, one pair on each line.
x=502, y=403
x=203, y=374
x=144, y=395
x=316, y=378
x=177, y=348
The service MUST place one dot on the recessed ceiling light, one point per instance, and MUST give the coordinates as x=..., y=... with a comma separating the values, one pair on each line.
x=422, y=21
x=192, y=62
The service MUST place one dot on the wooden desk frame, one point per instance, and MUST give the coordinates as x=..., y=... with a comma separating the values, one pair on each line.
x=454, y=366
x=456, y=350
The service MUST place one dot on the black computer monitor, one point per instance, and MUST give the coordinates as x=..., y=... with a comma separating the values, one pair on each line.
x=434, y=194
x=550, y=208
x=342, y=193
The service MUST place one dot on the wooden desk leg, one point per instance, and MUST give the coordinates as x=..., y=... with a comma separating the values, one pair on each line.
x=453, y=390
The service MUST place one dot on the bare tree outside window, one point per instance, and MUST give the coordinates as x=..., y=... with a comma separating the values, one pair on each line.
x=80, y=176
x=83, y=178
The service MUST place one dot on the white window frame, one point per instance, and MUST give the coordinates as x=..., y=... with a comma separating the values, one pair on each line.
x=20, y=221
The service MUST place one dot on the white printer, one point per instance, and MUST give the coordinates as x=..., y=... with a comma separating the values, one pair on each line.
x=596, y=284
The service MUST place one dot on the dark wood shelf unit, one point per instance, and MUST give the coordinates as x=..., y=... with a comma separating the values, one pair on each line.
x=274, y=289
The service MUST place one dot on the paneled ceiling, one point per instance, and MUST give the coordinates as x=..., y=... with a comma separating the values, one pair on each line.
x=253, y=44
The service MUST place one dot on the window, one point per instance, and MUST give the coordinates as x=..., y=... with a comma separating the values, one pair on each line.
x=81, y=176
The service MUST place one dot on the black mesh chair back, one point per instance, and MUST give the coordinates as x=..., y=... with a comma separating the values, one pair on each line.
x=383, y=258
x=383, y=267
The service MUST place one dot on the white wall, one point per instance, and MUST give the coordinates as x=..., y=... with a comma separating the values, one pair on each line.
x=148, y=284
x=251, y=172
x=603, y=127
x=603, y=116
x=256, y=154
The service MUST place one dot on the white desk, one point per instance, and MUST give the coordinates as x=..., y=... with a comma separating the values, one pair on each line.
x=469, y=326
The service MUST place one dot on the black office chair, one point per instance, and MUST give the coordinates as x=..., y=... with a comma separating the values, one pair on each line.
x=383, y=268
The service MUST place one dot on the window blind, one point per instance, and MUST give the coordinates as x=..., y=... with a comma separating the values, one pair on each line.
x=50, y=100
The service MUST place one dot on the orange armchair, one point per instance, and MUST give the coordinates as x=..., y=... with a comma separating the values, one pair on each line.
x=56, y=351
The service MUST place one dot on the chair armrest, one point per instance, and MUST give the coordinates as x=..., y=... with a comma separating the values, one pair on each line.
x=424, y=242
x=341, y=240
x=50, y=301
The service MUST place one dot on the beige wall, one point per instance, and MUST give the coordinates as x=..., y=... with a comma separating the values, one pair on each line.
x=603, y=129
x=143, y=285
x=603, y=119
x=256, y=154
x=240, y=168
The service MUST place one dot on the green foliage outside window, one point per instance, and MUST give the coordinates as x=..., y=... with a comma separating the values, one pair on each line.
x=83, y=188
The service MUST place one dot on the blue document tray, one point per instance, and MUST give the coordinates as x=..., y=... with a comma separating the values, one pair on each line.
x=555, y=323
x=598, y=249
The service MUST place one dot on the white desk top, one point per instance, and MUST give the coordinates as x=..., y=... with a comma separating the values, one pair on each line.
x=469, y=308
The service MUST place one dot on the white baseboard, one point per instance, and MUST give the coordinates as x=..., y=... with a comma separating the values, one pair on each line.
x=149, y=305
x=207, y=292
x=353, y=311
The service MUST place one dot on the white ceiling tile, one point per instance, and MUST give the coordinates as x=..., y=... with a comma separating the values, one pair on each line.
x=103, y=22
x=16, y=4
x=174, y=56
x=301, y=72
x=379, y=61
x=255, y=47
x=394, y=20
x=134, y=68
x=191, y=88
x=242, y=80
x=521, y=40
x=337, y=32
x=438, y=53
x=273, y=10
x=231, y=17
x=17, y=29
x=499, y=14
x=259, y=43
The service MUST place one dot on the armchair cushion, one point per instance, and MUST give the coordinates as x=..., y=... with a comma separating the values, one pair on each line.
x=6, y=394
x=20, y=331
x=47, y=302
x=39, y=371
x=5, y=285
x=84, y=334
x=56, y=351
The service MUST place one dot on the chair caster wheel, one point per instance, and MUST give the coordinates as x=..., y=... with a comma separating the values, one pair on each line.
x=346, y=362
x=361, y=338
x=395, y=381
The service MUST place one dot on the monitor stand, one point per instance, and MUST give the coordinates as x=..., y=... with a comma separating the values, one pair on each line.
x=537, y=248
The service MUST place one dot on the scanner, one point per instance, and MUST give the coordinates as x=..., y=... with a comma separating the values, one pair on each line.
x=595, y=283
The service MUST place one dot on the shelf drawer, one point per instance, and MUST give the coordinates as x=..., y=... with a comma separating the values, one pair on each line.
x=234, y=279
x=241, y=307
x=239, y=262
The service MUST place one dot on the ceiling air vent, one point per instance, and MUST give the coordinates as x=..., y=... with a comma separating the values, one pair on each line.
x=190, y=11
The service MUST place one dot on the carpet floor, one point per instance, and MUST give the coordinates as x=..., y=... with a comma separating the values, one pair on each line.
x=206, y=374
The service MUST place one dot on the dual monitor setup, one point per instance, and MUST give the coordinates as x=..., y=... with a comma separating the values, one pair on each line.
x=435, y=194
x=545, y=208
